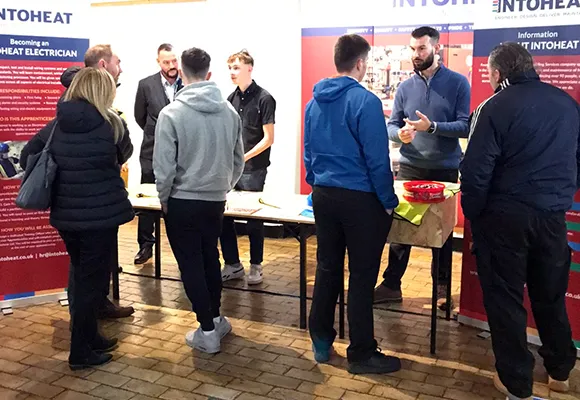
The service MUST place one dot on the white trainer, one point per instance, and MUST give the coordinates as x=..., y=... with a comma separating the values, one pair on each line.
x=201, y=341
x=223, y=327
x=230, y=272
x=255, y=275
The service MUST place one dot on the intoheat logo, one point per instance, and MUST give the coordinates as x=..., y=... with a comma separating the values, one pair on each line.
x=507, y=6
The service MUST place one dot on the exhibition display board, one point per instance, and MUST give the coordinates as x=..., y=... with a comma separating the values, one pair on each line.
x=550, y=35
x=389, y=63
x=549, y=29
x=38, y=41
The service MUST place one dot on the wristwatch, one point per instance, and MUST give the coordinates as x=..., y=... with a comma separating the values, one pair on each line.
x=432, y=128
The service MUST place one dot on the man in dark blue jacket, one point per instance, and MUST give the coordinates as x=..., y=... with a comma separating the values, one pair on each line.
x=518, y=179
x=430, y=114
x=346, y=155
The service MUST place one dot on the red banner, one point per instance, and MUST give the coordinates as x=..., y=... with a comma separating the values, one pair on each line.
x=33, y=258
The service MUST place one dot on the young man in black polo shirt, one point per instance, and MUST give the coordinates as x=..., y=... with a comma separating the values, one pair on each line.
x=257, y=108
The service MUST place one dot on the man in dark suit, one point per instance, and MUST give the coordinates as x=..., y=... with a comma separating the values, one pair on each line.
x=153, y=94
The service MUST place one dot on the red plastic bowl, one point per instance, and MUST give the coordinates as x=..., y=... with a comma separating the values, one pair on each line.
x=424, y=192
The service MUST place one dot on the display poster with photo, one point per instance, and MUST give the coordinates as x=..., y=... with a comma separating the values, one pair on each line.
x=38, y=41
x=389, y=62
x=556, y=51
x=391, y=57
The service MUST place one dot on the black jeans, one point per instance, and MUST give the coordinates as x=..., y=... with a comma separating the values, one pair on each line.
x=512, y=251
x=91, y=254
x=193, y=228
x=146, y=226
x=252, y=181
x=104, y=301
x=357, y=222
x=399, y=253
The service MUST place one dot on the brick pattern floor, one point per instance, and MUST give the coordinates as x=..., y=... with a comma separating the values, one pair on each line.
x=265, y=357
x=281, y=273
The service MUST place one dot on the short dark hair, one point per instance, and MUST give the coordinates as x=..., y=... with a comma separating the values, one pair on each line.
x=164, y=47
x=242, y=55
x=348, y=50
x=195, y=63
x=510, y=58
x=426, y=31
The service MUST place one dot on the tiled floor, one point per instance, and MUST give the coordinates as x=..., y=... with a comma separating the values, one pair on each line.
x=265, y=357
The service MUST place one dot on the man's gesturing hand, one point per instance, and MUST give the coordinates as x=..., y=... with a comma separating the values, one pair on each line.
x=407, y=134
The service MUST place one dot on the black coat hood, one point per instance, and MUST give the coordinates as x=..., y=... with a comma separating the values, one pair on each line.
x=68, y=75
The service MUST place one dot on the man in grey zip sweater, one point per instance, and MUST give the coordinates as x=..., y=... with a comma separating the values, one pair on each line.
x=197, y=158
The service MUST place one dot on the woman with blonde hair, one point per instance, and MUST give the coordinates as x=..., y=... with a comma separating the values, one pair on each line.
x=89, y=145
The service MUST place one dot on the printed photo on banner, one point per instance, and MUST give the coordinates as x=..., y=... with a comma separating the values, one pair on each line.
x=10, y=159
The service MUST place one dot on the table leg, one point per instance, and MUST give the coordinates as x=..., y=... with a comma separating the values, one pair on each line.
x=435, y=272
x=115, y=274
x=302, y=238
x=448, y=312
x=158, y=245
x=341, y=307
x=115, y=271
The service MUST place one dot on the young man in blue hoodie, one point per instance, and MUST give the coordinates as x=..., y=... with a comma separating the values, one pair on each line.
x=430, y=114
x=346, y=155
x=198, y=157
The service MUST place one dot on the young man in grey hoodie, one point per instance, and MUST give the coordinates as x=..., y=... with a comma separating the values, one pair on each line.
x=198, y=157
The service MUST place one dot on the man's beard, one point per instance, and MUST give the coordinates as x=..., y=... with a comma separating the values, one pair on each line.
x=168, y=76
x=426, y=64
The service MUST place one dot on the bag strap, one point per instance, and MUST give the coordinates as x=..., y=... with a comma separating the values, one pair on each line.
x=49, y=141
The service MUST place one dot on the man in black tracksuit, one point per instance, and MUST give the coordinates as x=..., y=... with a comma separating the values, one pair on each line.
x=518, y=179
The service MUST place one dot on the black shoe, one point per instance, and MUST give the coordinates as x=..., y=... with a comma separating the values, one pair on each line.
x=384, y=294
x=143, y=255
x=112, y=311
x=103, y=345
x=93, y=360
x=377, y=364
x=442, y=298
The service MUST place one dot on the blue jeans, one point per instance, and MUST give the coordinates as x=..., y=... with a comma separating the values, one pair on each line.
x=251, y=181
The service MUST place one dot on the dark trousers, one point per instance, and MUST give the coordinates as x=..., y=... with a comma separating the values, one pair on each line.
x=512, y=251
x=399, y=253
x=357, y=222
x=71, y=282
x=193, y=228
x=146, y=226
x=252, y=181
x=91, y=253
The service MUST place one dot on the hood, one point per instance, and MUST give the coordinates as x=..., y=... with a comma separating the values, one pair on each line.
x=68, y=75
x=203, y=97
x=330, y=89
x=78, y=116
